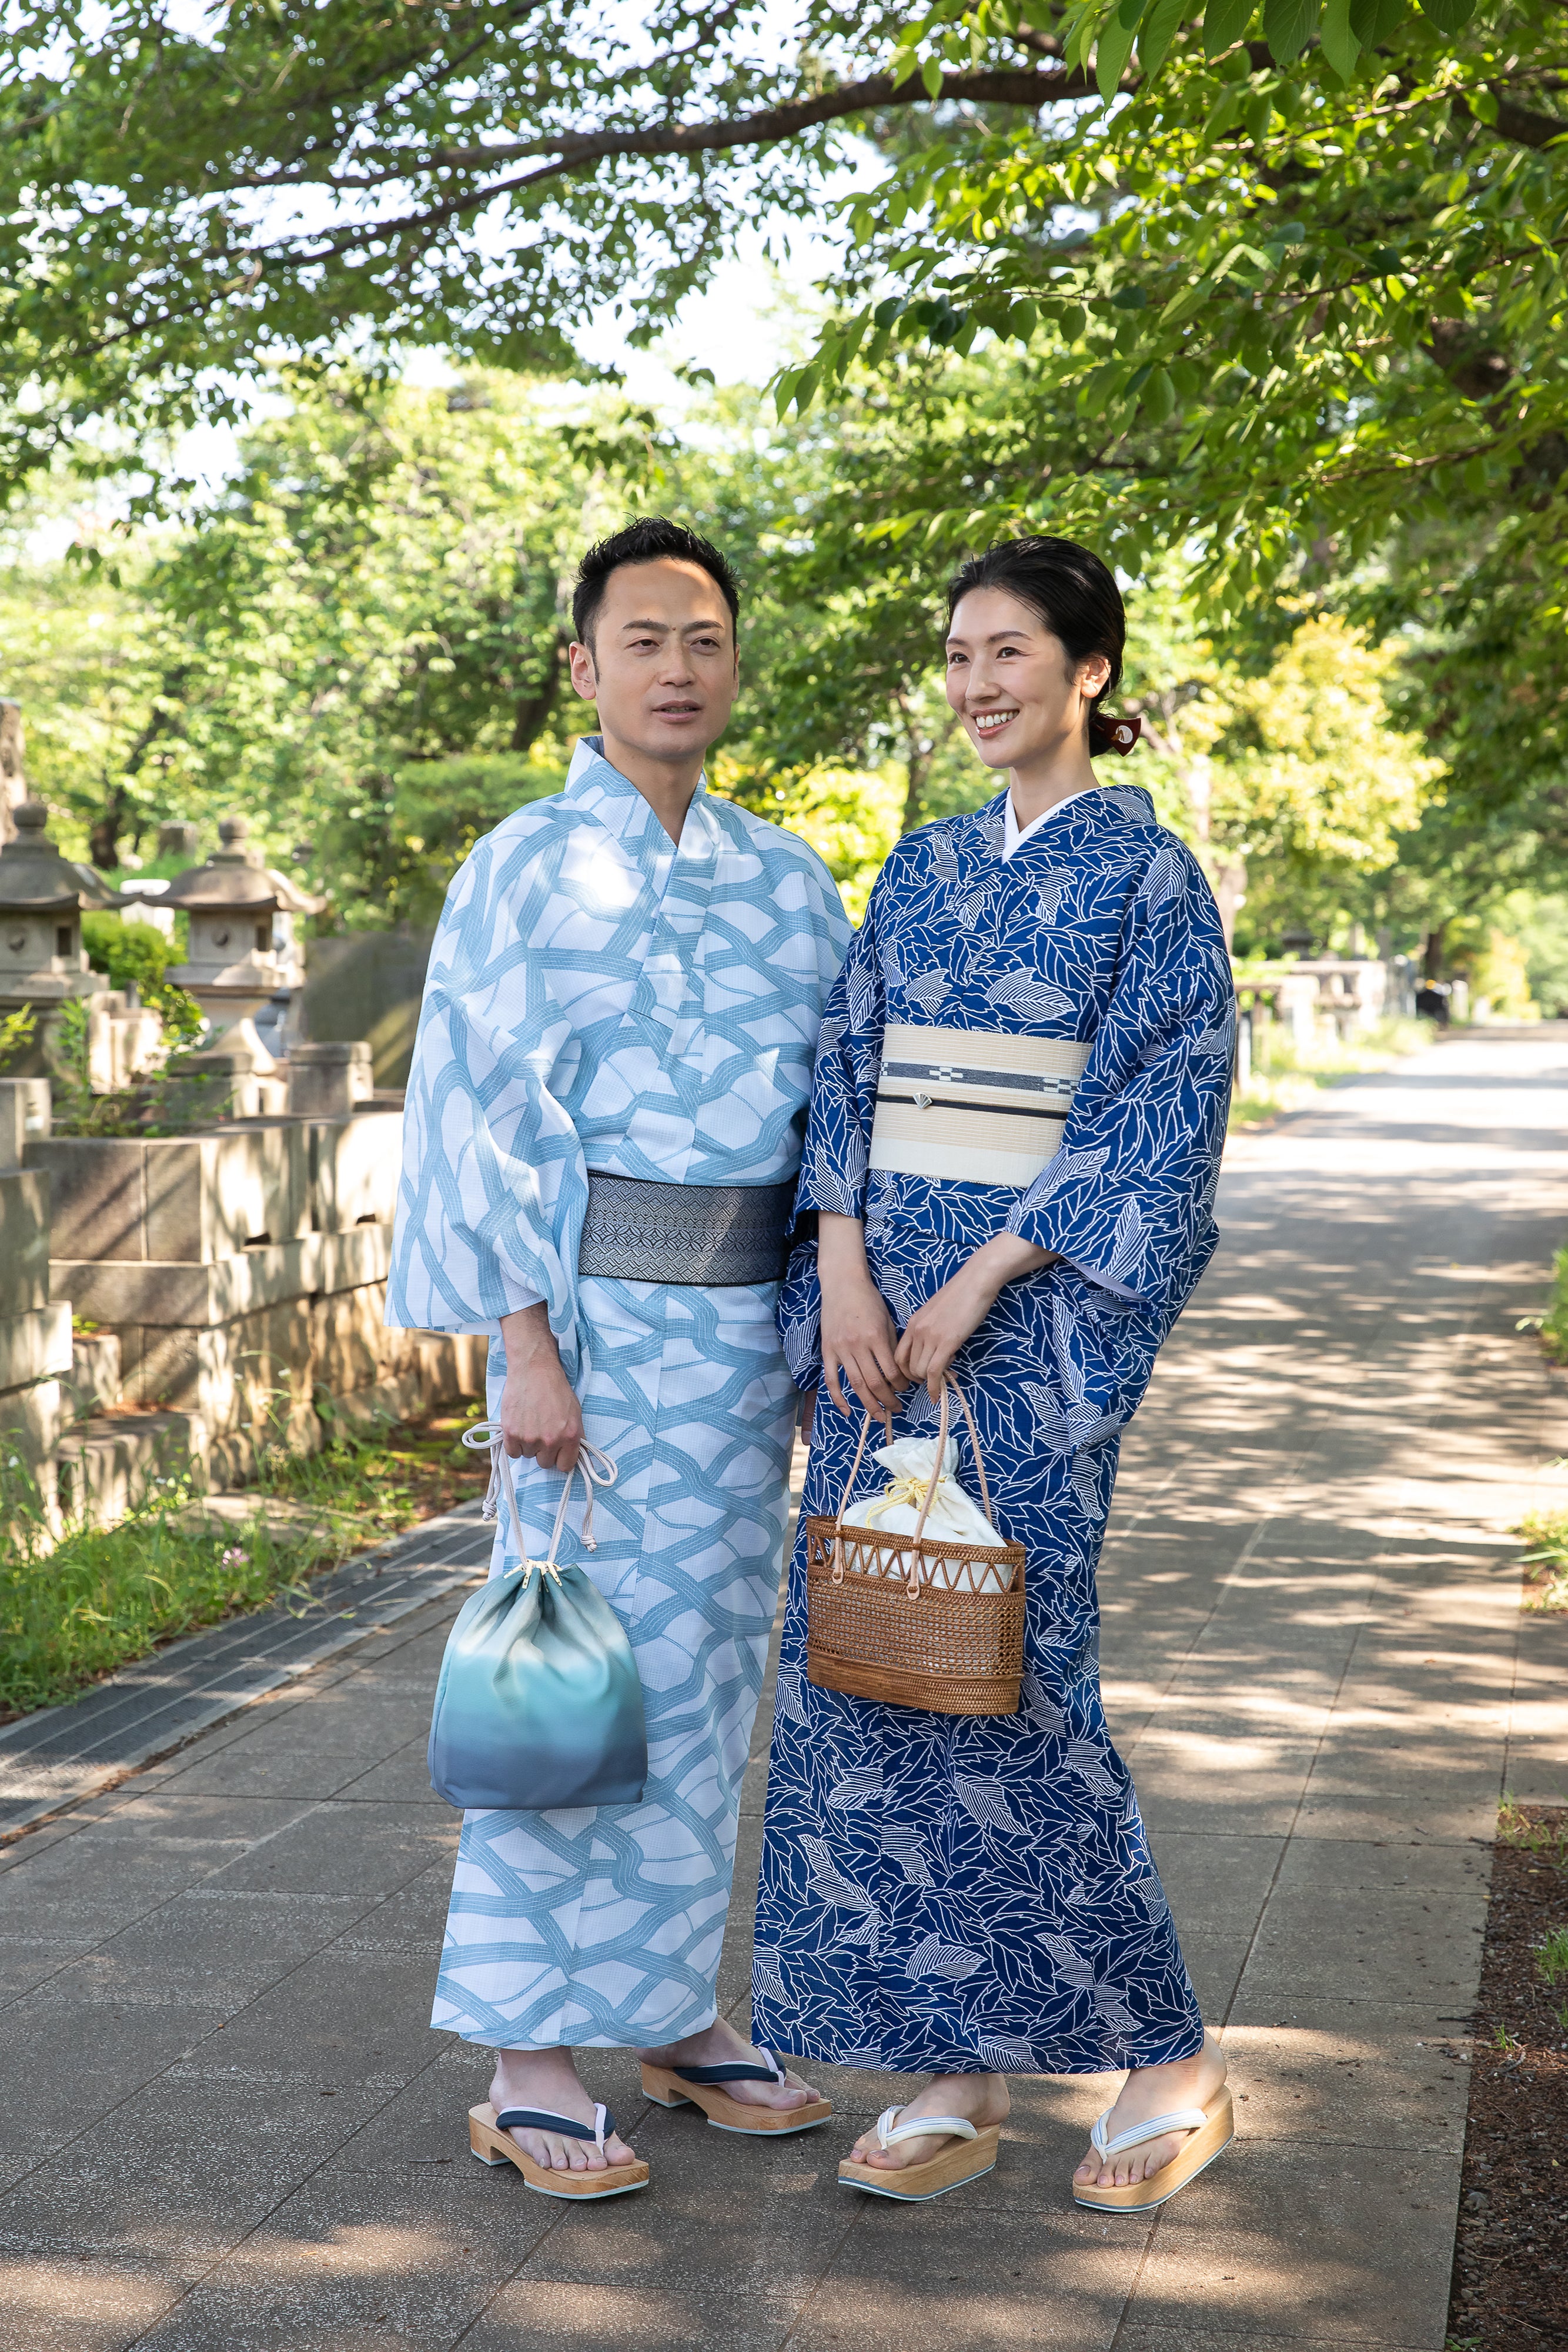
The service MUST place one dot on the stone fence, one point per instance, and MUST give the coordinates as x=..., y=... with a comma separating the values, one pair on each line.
x=233, y=1278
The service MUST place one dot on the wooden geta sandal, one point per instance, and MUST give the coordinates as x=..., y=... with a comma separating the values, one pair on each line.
x=489, y=2137
x=916, y=2184
x=674, y=2087
x=1212, y=2128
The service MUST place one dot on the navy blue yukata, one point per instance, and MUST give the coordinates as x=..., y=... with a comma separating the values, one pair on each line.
x=976, y=1894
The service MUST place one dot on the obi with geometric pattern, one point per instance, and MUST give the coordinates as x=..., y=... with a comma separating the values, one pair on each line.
x=706, y=1237
x=973, y=1105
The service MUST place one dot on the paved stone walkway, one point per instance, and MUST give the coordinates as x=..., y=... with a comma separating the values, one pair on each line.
x=224, y=2126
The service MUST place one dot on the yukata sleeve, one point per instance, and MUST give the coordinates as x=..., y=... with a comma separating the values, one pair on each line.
x=844, y=1088
x=838, y=1138
x=1128, y=1199
x=493, y=1187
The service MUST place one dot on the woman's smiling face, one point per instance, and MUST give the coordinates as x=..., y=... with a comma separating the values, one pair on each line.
x=1011, y=680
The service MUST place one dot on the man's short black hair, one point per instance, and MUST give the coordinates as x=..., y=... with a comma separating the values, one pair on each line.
x=644, y=541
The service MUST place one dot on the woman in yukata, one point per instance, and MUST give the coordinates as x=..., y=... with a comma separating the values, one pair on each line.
x=1014, y=1141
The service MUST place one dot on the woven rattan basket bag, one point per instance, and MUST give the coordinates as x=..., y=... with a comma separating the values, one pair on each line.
x=888, y=1616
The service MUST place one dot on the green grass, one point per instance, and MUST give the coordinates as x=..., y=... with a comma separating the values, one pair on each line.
x=1516, y=1828
x=1552, y=1327
x=1290, y=1080
x=94, y=1602
x=1546, y=1562
x=1552, y=1957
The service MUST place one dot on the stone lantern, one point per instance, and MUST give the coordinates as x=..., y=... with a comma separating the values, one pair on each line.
x=241, y=952
x=43, y=964
x=42, y=895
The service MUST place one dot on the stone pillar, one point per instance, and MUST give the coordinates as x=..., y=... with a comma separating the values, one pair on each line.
x=34, y=1332
x=326, y=1080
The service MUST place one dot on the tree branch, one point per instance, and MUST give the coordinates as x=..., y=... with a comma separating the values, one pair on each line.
x=1522, y=126
x=571, y=151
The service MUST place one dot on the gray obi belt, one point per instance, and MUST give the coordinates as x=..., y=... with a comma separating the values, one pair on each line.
x=973, y=1105
x=711, y=1236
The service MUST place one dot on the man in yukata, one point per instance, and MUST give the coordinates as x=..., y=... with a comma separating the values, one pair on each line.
x=603, y=1129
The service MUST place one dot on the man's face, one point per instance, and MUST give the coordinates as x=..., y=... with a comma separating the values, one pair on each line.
x=663, y=667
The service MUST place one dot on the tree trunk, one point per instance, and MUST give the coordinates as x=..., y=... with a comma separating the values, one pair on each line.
x=1432, y=957
x=531, y=711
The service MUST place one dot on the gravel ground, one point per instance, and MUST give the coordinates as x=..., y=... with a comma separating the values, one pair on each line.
x=1510, y=2266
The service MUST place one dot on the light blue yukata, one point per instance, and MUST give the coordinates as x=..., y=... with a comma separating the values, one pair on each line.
x=601, y=999
x=977, y=1894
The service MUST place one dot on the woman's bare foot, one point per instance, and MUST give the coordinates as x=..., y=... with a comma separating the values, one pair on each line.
x=980, y=2099
x=548, y=2079
x=719, y=2044
x=1153, y=2091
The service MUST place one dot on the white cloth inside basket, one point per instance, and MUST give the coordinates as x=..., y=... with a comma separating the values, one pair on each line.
x=952, y=1516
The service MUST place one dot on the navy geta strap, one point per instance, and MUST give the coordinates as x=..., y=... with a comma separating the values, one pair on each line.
x=541, y=2119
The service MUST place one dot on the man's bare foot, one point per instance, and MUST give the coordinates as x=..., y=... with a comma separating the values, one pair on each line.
x=980, y=2099
x=1153, y=2091
x=719, y=2044
x=548, y=2079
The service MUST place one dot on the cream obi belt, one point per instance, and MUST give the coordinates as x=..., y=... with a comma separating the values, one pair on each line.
x=973, y=1105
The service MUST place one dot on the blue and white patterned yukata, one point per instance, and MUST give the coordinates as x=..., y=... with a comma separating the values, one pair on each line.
x=598, y=999
x=976, y=1894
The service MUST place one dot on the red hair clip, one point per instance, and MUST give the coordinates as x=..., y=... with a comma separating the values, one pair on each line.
x=1110, y=734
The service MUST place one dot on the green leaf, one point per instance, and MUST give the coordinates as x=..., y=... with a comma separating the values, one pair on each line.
x=1449, y=15
x=1111, y=51
x=1341, y=45
x=1159, y=396
x=931, y=75
x=1288, y=26
x=1224, y=23
x=1159, y=29
x=1376, y=21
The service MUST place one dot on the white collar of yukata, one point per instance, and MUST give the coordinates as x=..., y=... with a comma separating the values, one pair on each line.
x=605, y=794
x=1131, y=802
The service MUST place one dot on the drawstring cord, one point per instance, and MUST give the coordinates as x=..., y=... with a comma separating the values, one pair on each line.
x=597, y=1468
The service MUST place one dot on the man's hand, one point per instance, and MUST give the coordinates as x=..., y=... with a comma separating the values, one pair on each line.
x=859, y=1335
x=937, y=1330
x=539, y=1414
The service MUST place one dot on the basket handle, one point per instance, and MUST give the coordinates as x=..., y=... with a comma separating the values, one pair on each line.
x=487, y=1434
x=949, y=1387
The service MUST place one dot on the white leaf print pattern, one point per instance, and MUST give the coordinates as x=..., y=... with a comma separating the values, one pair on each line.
x=830, y=1882
x=944, y=856
x=933, y=1958
x=766, y=1978
x=986, y=1801
x=1050, y=891
x=1087, y=1760
x=1126, y=1242
x=862, y=1787
x=1065, y=1168
x=862, y=991
x=1164, y=879
x=907, y=1848
x=790, y=1700
x=1054, y=1427
x=1026, y=994
x=927, y=990
x=1007, y=2054
x=1042, y=1711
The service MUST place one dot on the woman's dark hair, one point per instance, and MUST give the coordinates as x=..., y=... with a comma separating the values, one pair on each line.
x=644, y=541
x=1077, y=598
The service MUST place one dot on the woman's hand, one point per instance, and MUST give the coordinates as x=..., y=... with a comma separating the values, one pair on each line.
x=937, y=1330
x=859, y=1335
x=539, y=1414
